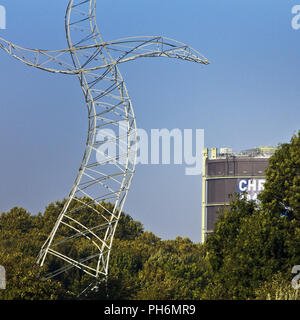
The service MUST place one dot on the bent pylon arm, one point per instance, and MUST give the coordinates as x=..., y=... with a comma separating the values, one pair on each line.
x=46, y=60
x=132, y=48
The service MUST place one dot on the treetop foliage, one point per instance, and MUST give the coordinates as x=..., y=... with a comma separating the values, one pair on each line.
x=250, y=255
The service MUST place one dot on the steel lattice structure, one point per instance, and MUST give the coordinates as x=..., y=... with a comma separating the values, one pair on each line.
x=95, y=63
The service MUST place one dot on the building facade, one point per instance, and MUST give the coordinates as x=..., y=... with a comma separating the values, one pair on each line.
x=226, y=173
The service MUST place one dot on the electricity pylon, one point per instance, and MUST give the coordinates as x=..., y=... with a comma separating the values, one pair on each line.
x=95, y=63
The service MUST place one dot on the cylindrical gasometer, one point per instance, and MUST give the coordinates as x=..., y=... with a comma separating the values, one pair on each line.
x=226, y=173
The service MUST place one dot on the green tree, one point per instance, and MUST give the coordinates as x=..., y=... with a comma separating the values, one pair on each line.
x=282, y=187
x=278, y=288
x=21, y=237
x=252, y=243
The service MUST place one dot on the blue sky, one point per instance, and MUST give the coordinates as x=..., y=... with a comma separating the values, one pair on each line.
x=248, y=96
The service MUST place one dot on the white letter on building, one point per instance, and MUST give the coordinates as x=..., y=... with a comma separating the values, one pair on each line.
x=243, y=182
x=252, y=185
x=261, y=183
